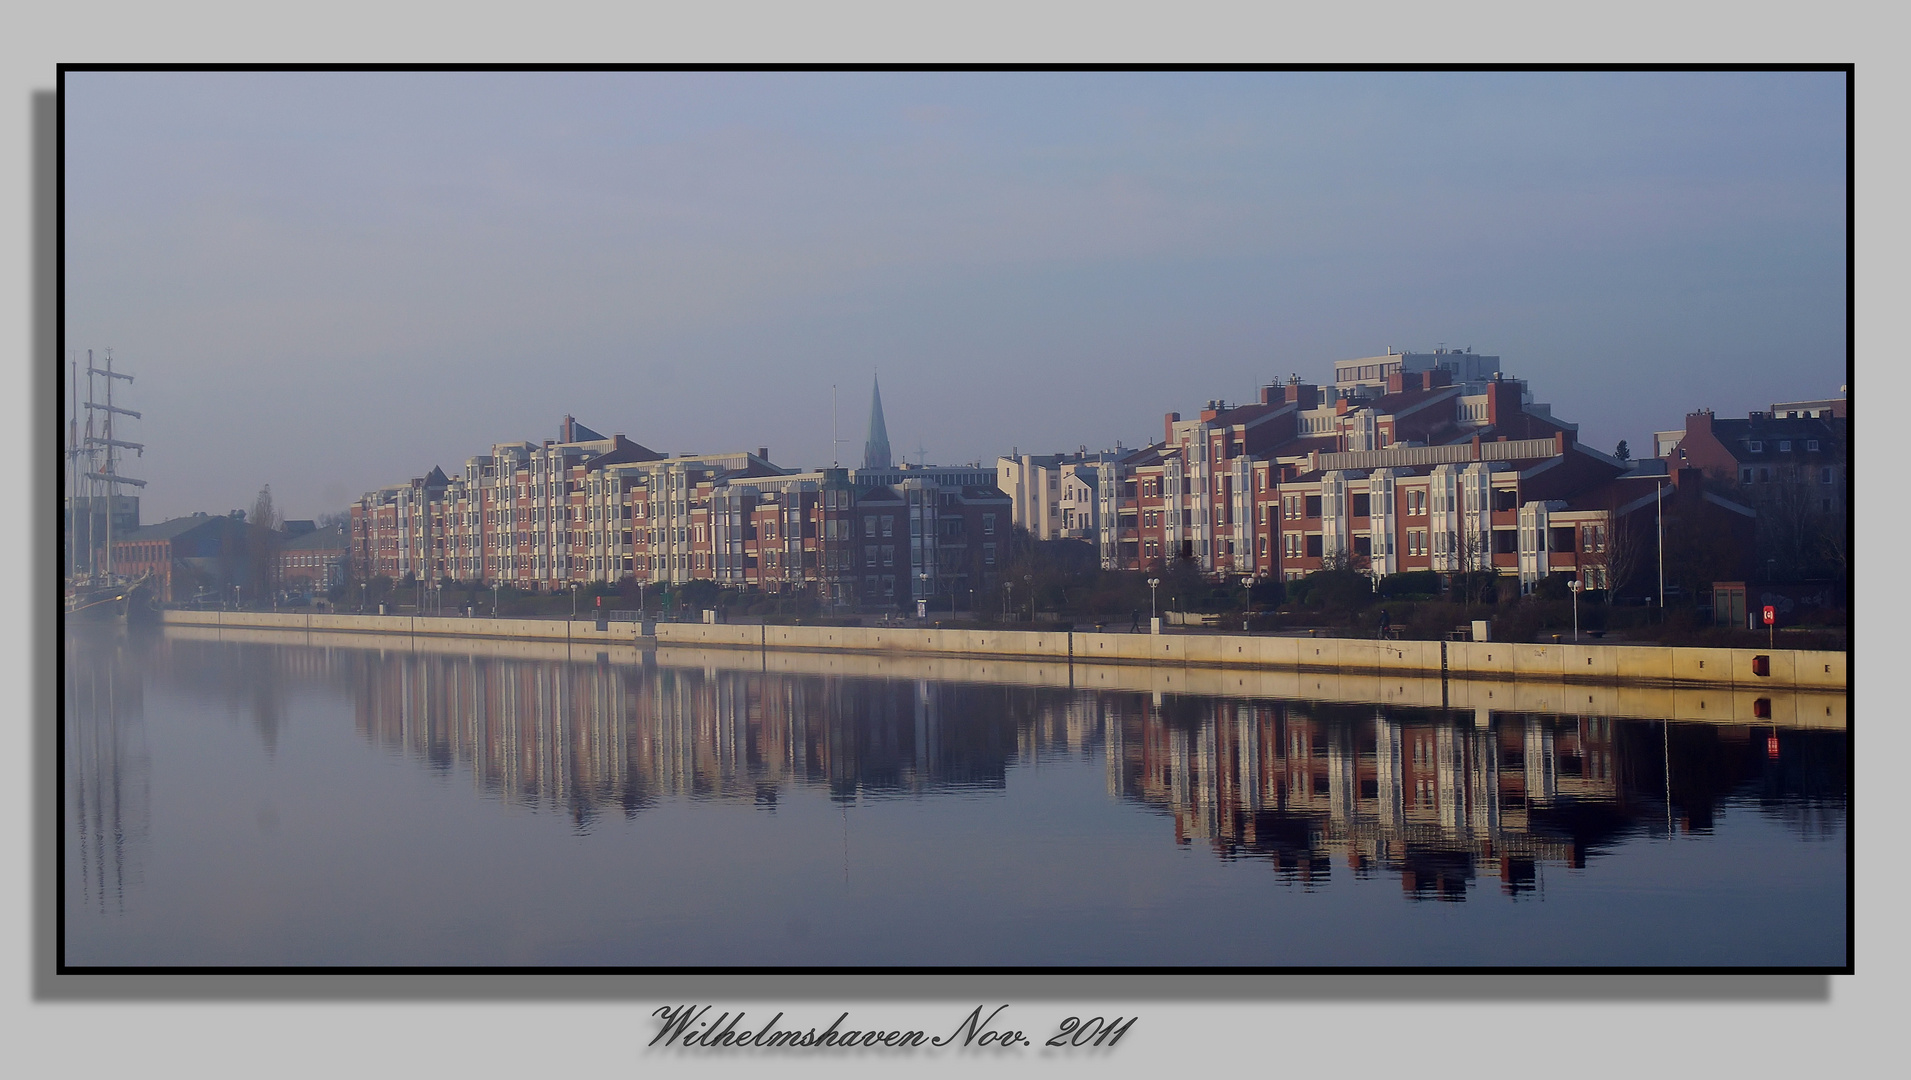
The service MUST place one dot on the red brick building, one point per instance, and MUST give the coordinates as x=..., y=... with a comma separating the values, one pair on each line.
x=589, y=509
x=1389, y=471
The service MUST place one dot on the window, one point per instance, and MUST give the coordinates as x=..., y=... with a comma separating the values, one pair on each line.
x=988, y=554
x=1313, y=506
x=1811, y=445
x=1824, y=476
x=889, y=525
x=988, y=525
x=1745, y=475
x=1362, y=505
x=1314, y=546
x=1755, y=446
x=1784, y=446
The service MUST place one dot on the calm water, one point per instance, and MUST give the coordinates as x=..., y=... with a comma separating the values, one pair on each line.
x=281, y=803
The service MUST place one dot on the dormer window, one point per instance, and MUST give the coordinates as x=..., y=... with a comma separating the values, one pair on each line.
x=1755, y=446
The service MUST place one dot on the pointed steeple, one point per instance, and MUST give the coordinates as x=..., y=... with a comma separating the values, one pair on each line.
x=876, y=450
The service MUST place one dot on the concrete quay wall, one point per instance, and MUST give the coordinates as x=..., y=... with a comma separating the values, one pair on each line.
x=1781, y=706
x=1652, y=665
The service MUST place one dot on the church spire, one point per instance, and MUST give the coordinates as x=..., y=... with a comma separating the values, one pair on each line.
x=876, y=450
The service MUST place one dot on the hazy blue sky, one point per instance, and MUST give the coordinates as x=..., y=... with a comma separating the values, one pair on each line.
x=329, y=282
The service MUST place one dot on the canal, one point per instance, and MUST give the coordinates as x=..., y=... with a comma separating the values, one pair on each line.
x=277, y=802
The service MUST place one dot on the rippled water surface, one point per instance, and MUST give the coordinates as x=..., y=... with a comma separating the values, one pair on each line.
x=284, y=803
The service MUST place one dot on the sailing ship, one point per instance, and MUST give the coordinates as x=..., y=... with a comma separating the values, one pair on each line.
x=93, y=587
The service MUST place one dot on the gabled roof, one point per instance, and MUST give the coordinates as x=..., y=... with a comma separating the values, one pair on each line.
x=329, y=538
x=169, y=530
x=1407, y=402
x=626, y=453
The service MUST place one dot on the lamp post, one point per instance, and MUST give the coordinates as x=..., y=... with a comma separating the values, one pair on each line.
x=235, y=598
x=1152, y=616
x=494, y=599
x=1029, y=580
x=1008, y=597
x=1574, y=586
x=1659, y=498
x=1247, y=610
x=573, y=601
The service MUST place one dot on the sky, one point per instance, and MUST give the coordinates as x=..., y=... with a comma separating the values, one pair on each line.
x=328, y=282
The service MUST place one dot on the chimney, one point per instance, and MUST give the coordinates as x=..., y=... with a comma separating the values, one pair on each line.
x=1503, y=400
x=763, y=452
x=1167, y=426
x=565, y=429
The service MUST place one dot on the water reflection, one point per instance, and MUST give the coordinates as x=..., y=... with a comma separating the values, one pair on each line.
x=1441, y=800
x=108, y=793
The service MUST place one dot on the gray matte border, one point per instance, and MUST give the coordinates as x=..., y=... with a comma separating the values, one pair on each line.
x=482, y=986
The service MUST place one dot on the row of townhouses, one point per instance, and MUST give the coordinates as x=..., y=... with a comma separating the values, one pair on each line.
x=1433, y=461
x=585, y=508
x=1421, y=461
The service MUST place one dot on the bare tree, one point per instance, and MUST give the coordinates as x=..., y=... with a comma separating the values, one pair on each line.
x=262, y=545
x=1795, y=525
x=1625, y=547
x=1471, y=550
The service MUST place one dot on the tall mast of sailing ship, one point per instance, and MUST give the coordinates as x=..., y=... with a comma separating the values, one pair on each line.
x=107, y=447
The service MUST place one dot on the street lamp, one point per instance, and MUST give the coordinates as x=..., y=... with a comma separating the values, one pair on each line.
x=923, y=595
x=494, y=599
x=1008, y=597
x=1247, y=612
x=573, y=601
x=1152, y=617
x=1575, y=586
x=1658, y=497
x=235, y=598
x=1029, y=580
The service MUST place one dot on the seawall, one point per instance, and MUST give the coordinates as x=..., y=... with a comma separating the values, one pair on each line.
x=1475, y=660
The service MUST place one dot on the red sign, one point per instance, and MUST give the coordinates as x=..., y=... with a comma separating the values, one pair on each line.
x=1771, y=615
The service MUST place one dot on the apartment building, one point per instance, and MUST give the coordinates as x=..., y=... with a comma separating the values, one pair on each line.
x=1053, y=495
x=1409, y=461
x=584, y=508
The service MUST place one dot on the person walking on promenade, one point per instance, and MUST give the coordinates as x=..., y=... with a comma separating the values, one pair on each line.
x=1383, y=623
x=1134, y=621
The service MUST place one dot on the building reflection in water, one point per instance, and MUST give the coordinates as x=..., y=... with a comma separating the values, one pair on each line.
x=108, y=770
x=1440, y=799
